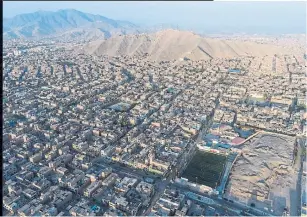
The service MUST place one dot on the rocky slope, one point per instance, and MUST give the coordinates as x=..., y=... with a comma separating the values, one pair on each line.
x=173, y=44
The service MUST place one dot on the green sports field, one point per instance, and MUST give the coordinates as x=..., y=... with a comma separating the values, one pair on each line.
x=205, y=168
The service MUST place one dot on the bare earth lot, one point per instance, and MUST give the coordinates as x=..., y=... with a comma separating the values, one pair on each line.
x=265, y=176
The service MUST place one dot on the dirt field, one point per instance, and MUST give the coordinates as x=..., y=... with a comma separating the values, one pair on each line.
x=265, y=175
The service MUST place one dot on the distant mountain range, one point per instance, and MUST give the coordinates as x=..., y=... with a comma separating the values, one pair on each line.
x=68, y=23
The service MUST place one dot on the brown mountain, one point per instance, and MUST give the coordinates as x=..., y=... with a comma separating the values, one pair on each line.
x=174, y=44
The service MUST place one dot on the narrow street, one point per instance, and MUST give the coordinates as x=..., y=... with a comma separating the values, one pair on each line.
x=160, y=187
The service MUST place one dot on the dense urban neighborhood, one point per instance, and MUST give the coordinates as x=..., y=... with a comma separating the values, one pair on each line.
x=87, y=135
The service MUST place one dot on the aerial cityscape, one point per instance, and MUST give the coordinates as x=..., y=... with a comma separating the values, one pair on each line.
x=106, y=117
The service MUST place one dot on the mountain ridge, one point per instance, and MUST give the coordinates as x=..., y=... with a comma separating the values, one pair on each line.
x=48, y=23
x=173, y=44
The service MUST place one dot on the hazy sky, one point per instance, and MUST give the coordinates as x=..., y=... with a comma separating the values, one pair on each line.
x=283, y=17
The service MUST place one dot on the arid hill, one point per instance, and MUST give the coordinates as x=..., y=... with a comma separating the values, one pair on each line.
x=174, y=44
x=67, y=23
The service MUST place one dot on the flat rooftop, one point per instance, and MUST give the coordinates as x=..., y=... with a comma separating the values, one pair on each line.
x=264, y=174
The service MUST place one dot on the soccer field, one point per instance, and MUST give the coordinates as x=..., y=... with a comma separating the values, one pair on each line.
x=205, y=168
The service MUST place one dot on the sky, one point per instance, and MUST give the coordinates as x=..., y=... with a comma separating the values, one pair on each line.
x=265, y=17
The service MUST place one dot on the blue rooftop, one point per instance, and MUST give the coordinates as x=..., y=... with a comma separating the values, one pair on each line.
x=234, y=70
